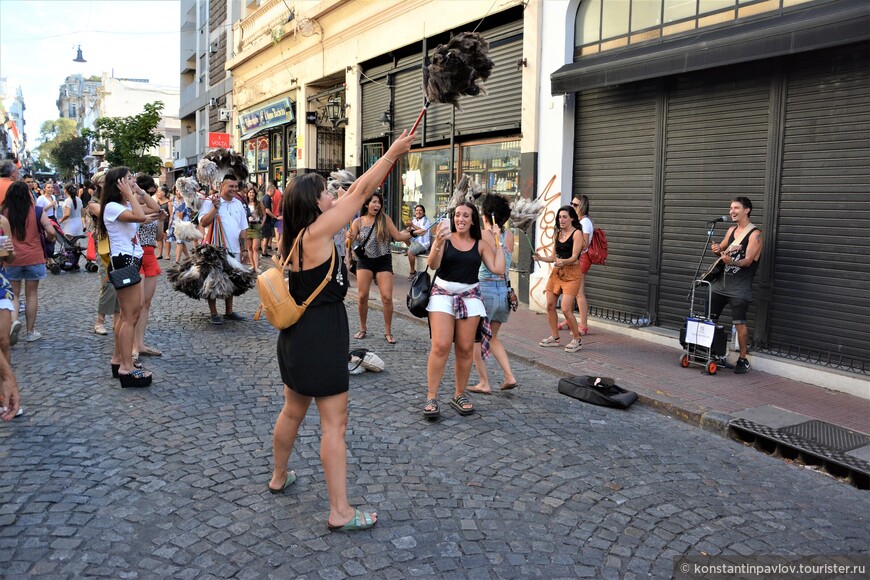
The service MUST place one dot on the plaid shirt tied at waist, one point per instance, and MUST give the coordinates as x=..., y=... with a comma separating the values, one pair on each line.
x=483, y=329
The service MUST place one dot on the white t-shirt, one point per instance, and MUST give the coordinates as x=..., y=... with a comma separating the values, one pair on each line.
x=588, y=228
x=123, y=236
x=72, y=226
x=42, y=202
x=234, y=220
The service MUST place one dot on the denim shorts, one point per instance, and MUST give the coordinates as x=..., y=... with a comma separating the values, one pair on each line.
x=494, y=294
x=18, y=273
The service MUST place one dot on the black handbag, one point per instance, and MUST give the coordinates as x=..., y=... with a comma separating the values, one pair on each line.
x=123, y=277
x=418, y=294
x=598, y=391
x=359, y=250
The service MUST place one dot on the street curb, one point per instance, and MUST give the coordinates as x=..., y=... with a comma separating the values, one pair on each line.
x=711, y=421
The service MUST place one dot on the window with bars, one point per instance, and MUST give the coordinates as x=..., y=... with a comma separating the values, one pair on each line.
x=330, y=150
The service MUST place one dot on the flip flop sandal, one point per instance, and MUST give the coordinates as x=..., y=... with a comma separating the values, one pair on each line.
x=148, y=351
x=360, y=335
x=459, y=403
x=434, y=412
x=291, y=479
x=390, y=339
x=360, y=521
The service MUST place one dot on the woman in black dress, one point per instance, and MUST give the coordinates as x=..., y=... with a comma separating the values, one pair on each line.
x=312, y=354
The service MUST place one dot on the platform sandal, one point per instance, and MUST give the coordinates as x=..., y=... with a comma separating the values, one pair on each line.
x=432, y=413
x=136, y=379
x=136, y=364
x=459, y=404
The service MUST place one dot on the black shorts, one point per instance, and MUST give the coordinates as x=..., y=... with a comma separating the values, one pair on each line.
x=376, y=265
x=739, y=307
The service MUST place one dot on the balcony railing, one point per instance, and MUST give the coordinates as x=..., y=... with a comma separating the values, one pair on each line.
x=271, y=15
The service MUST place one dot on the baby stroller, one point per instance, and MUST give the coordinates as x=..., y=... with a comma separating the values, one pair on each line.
x=69, y=254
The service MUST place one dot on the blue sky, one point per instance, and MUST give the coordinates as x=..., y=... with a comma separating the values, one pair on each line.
x=38, y=40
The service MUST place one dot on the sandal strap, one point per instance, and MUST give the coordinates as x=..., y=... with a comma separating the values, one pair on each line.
x=431, y=403
x=461, y=400
x=138, y=373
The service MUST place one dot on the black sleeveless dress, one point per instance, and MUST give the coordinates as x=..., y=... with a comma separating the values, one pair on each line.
x=312, y=354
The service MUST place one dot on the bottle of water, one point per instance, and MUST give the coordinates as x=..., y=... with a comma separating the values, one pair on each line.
x=735, y=345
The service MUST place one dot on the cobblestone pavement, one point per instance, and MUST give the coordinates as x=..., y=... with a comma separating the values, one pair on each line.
x=171, y=481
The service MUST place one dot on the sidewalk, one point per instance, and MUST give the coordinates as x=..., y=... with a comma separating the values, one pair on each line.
x=753, y=400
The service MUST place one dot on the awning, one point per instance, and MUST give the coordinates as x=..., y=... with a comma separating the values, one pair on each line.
x=815, y=27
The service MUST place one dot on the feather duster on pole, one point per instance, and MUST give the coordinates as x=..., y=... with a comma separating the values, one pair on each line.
x=341, y=179
x=525, y=212
x=466, y=190
x=189, y=189
x=457, y=68
x=217, y=164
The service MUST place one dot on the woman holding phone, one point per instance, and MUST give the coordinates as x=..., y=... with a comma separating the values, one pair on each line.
x=120, y=216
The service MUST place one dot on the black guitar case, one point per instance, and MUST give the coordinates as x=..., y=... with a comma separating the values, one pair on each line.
x=600, y=391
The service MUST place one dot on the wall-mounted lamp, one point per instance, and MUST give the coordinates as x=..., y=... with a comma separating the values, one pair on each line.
x=79, y=57
x=334, y=110
x=521, y=62
x=386, y=118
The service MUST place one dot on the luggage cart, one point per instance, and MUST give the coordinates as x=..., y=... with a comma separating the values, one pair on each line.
x=702, y=339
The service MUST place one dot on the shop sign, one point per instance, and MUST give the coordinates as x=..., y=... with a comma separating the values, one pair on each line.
x=272, y=115
x=219, y=140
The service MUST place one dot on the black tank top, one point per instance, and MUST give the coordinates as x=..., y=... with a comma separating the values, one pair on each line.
x=564, y=249
x=304, y=282
x=459, y=266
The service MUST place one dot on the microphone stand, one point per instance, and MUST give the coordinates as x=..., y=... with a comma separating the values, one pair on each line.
x=710, y=231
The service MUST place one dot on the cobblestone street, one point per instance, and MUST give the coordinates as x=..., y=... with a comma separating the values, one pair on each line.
x=170, y=481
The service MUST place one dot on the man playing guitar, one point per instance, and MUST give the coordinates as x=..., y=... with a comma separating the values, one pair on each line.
x=739, y=252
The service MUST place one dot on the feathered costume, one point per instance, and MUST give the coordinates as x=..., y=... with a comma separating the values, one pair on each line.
x=210, y=272
x=466, y=190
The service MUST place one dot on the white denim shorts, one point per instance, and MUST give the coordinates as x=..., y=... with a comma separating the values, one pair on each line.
x=444, y=304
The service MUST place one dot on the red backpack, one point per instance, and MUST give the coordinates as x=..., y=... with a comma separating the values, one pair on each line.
x=598, y=247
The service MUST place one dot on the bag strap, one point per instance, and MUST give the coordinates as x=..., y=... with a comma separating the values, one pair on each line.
x=371, y=231
x=328, y=277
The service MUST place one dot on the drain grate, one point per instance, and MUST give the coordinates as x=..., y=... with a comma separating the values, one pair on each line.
x=829, y=435
x=800, y=443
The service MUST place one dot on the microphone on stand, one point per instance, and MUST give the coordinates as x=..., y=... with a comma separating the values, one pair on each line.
x=723, y=218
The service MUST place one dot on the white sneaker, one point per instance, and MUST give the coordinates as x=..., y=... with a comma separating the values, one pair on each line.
x=31, y=336
x=21, y=306
x=14, y=332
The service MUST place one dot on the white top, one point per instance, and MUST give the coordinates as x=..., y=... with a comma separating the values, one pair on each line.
x=234, y=220
x=588, y=228
x=422, y=223
x=42, y=202
x=123, y=236
x=72, y=226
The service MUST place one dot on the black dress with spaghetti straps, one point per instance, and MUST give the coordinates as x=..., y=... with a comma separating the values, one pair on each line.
x=313, y=353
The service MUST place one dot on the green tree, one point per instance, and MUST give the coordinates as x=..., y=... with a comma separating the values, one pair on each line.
x=68, y=156
x=128, y=139
x=51, y=133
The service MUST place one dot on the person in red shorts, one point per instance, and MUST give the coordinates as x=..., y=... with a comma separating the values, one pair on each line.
x=150, y=233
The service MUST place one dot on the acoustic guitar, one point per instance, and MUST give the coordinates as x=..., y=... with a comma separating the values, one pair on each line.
x=715, y=270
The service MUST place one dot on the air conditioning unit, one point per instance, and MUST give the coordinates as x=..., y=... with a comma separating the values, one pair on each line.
x=212, y=102
x=213, y=48
x=224, y=114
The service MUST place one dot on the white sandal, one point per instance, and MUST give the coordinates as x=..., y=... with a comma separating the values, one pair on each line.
x=573, y=346
x=550, y=341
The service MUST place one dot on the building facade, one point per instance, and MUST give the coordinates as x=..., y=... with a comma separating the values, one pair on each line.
x=665, y=111
x=206, y=84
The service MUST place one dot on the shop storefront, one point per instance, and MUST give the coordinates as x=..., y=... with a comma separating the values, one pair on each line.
x=768, y=112
x=269, y=142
